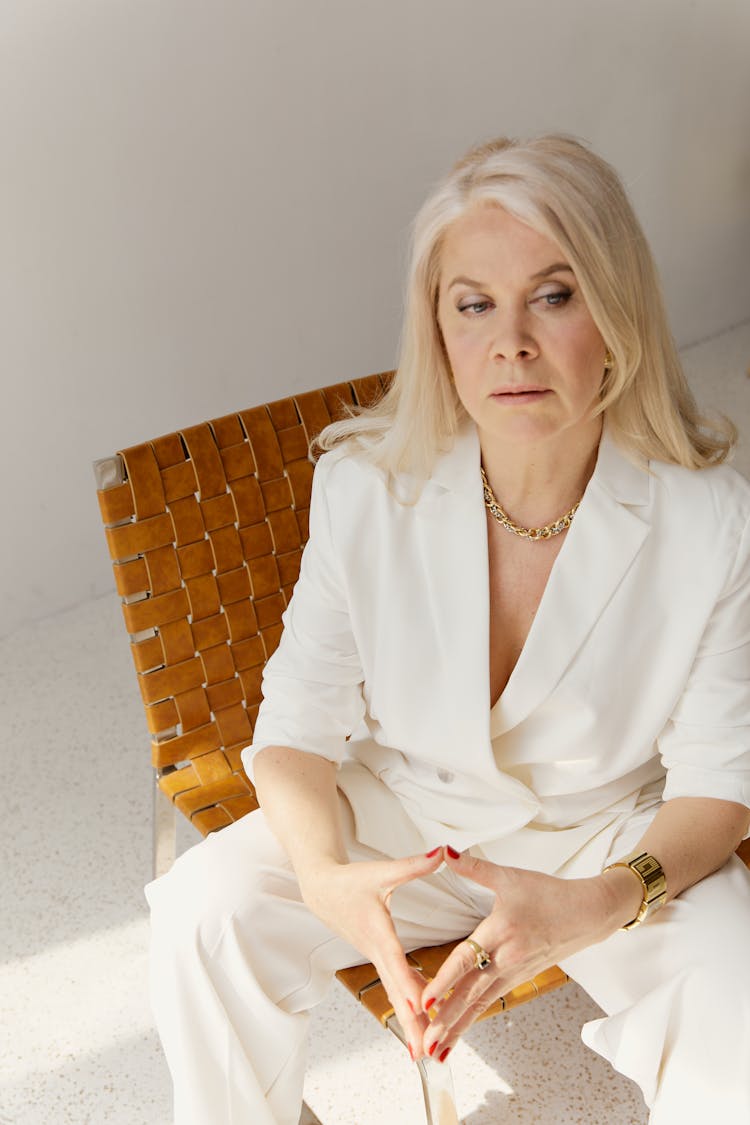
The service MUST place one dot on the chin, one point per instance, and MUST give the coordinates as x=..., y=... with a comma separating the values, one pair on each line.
x=521, y=430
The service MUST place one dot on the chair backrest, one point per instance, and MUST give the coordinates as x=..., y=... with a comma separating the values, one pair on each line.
x=206, y=528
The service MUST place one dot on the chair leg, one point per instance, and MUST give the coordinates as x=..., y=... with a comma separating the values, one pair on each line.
x=437, y=1085
x=165, y=829
x=307, y=1117
x=437, y=1088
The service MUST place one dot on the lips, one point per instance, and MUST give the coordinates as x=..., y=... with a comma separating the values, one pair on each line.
x=519, y=396
x=521, y=389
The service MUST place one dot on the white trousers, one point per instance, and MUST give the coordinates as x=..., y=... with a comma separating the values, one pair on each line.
x=238, y=961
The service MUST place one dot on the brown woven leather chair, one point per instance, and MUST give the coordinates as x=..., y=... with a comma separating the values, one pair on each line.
x=206, y=528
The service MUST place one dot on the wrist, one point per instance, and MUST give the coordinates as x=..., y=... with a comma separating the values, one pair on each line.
x=650, y=875
x=623, y=896
x=312, y=868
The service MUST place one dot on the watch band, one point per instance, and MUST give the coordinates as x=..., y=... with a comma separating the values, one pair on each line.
x=650, y=872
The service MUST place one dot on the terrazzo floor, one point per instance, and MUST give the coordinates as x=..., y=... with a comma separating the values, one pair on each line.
x=76, y=1038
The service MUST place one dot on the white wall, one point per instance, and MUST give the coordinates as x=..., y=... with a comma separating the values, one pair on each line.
x=205, y=204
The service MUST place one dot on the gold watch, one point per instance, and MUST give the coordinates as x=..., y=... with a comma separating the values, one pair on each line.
x=650, y=872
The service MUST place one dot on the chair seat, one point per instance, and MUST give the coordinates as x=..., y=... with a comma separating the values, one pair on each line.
x=364, y=983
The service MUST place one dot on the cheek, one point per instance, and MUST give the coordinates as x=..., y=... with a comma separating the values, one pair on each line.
x=589, y=373
x=583, y=353
x=462, y=345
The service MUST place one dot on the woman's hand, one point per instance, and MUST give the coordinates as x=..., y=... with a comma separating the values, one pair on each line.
x=352, y=899
x=536, y=921
x=298, y=794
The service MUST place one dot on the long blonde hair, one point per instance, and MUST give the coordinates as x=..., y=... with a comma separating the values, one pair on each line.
x=556, y=185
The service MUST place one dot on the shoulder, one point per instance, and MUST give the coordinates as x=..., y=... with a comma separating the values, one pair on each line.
x=705, y=515
x=718, y=494
x=349, y=497
x=698, y=520
x=719, y=490
x=345, y=471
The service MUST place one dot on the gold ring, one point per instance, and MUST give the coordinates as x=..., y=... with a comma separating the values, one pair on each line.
x=481, y=957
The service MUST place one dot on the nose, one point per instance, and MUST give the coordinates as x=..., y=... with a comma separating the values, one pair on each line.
x=513, y=339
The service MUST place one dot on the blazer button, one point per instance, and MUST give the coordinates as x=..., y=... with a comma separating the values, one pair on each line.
x=445, y=776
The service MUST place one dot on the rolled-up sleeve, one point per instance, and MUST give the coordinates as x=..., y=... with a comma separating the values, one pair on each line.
x=312, y=684
x=705, y=746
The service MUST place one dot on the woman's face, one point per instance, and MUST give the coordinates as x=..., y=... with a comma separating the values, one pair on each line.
x=526, y=356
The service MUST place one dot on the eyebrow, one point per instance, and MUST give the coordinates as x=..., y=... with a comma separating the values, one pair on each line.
x=556, y=267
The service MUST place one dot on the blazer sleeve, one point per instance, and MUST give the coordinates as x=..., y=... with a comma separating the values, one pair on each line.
x=705, y=746
x=312, y=684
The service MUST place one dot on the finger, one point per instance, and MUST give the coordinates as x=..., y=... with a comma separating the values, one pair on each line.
x=478, y=870
x=403, y=983
x=458, y=1014
x=396, y=872
x=401, y=980
x=461, y=962
x=400, y=990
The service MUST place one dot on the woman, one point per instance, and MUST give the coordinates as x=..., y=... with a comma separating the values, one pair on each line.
x=518, y=654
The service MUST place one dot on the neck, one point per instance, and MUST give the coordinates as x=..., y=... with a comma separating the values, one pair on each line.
x=537, y=482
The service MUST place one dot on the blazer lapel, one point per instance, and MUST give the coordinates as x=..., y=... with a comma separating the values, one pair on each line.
x=456, y=579
x=608, y=532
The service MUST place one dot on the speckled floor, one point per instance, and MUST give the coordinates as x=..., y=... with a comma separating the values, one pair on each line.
x=76, y=1040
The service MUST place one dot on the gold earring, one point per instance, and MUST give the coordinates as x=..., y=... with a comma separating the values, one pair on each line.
x=609, y=360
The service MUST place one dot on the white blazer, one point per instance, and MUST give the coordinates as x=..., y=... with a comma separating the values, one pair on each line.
x=634, y=679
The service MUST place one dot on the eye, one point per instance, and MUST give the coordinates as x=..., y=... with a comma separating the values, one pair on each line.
x=556, y=300
x=475, y=307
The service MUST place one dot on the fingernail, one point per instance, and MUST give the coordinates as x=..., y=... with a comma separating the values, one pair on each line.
x=432, y=853
x=445, y=1054
x=432, y=1048
x=428, y=1003
x=453, y=853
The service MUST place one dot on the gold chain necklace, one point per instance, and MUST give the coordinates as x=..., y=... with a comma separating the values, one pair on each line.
x=502, y=517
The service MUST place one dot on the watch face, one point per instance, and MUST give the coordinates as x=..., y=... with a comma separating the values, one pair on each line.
x=647, y=867
x=654, y=884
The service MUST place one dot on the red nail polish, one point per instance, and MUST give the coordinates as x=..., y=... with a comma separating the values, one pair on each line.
x=445, y=1054
x=434, y=851
x=453, y=853
x=432, y=1048
x=411, y=1053
x=429, y=1003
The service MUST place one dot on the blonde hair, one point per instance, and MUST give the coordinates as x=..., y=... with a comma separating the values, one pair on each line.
x=557, y=186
